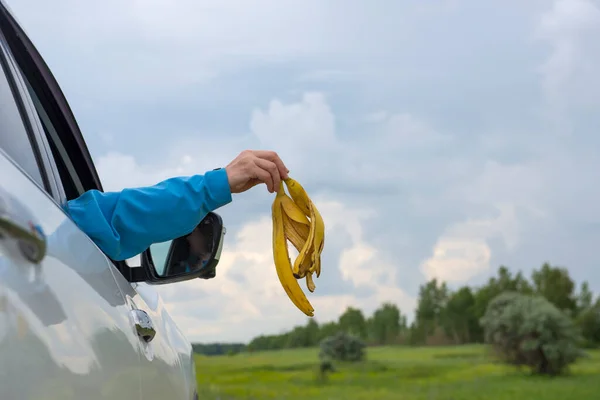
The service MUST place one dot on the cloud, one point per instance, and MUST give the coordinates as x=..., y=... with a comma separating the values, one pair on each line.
x=463, y=252
x=569, y=73
x=247, y=292
x=432, y=152
x=298, y=128
x=461, y=214
x=192, y=42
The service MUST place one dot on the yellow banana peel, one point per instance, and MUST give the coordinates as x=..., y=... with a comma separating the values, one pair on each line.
x=296, y=218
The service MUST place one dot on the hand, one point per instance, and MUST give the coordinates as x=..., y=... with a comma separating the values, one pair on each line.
x=252, y=167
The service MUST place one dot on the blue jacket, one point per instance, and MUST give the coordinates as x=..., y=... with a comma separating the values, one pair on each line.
x=124, y=224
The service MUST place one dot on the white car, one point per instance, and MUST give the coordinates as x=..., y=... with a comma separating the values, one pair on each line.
x=74, y=324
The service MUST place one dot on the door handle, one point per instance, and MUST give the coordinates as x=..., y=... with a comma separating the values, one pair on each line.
x=16, y=222
x=143, y=325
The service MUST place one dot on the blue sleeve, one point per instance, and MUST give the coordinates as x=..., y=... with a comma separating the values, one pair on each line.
x=124, y=224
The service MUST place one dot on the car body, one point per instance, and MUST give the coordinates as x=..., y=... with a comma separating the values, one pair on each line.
x=74, y=324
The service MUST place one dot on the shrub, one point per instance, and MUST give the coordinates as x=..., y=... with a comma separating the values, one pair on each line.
x=232, y=352
x=530, y=331
x=342, y=347
x=326, y=366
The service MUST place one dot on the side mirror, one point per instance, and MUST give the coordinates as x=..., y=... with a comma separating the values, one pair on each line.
x=195, y=255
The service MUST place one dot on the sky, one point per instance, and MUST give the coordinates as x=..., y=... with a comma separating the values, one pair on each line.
x=438, y=139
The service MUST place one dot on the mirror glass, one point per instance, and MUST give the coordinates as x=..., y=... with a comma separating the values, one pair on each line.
x=197, y=251
x=159, y=252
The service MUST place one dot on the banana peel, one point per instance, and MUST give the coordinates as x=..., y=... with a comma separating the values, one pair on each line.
x=296, y=218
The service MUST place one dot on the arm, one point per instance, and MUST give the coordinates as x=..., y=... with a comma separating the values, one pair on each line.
x=124, y=224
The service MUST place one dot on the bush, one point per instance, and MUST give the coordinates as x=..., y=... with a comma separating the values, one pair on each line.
x=232, y=352
x=342, y=347
x=530, y=331
x=326, y=366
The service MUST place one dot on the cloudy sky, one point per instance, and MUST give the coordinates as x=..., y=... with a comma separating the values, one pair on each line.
x=438, y=139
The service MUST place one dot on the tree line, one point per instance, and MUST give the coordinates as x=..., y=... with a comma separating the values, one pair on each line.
x=442, y=316
x=217, y=349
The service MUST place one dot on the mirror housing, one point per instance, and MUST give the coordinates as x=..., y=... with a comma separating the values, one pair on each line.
x=191, y=256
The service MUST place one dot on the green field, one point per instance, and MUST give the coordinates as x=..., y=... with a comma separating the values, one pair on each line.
x=399, y=373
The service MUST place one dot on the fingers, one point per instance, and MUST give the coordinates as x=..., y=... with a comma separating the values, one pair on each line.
x=253, y=166
x=265, y=177
x=274, y=158
x=272, y=175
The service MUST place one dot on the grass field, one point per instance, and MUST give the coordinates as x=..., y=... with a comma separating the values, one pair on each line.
x=399, y=373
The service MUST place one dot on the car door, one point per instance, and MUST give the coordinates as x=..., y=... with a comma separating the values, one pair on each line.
x=165, y=352
x=161, y=372
x=166, y=363
x=65, y=327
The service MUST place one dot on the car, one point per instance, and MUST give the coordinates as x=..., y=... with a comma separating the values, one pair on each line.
x=75, y=324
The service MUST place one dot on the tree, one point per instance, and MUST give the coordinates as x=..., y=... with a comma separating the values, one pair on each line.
x=589, y=323
x=353, y=322
x=432, y=300
x=556, y=285
x=312, y=332
x=386, y=323
x=506, y=282
x=214, y=349
x=328, y=329
x=502, y=282
x=297, y=338
x=459, y=318
x=585, y=298
x=588, y=317
x=529, y=330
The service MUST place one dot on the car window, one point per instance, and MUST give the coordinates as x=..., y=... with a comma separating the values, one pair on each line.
x=74, y=175
x=14, y=138
x=69, y=177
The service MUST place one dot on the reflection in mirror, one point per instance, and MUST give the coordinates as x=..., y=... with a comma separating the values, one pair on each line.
x=191, y=252
x=160, y=252
x=194, y=255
